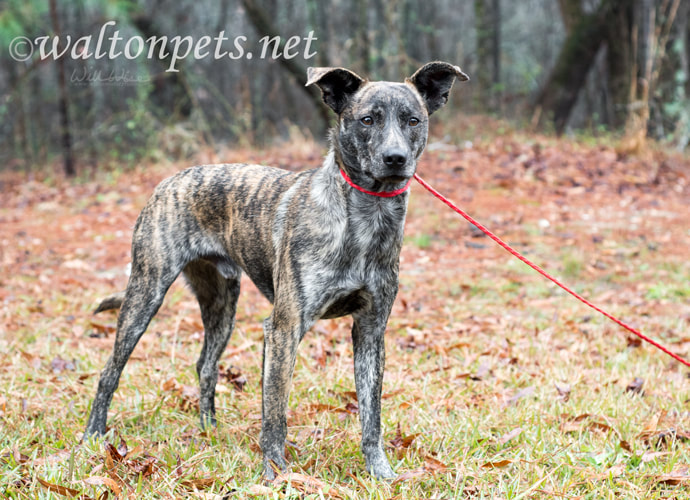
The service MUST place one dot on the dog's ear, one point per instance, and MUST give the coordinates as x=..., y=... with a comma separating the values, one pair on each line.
x=434, y=80
x=337, y=85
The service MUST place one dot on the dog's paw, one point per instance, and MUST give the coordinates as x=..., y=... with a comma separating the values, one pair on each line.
x=272, y=469
x=92, y=433
x=380, y=468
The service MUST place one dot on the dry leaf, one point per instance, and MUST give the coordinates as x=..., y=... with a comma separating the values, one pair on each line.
x=586, y=421
x=410, y=474
x=122, y=448
x=59, y=365
x=652, y=425
x=260, y=490
x=311, y=485
x=678, y=475
x=55, y=458
x=635, y=386
x=401, y=443
x=62, y=490
x=510, y=435
x=563, y=391
x=497, y=464
x=113, y=453
x=198, y=483
x=33, y=360
x=650, y=456
x=522, y=393
x=433, y=465
x=103, y=481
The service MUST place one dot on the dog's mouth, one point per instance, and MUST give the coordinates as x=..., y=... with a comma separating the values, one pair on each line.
x=392, y=179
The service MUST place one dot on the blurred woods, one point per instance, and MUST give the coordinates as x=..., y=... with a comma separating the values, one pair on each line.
x=556, y=65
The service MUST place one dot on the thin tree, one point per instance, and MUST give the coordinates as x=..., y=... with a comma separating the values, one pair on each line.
x=586, y=36
x=63, y=99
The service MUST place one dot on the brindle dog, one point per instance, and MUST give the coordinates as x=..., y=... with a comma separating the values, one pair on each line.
x=314, y=245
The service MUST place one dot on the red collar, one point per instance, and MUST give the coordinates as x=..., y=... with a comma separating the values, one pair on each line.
x=382, y=194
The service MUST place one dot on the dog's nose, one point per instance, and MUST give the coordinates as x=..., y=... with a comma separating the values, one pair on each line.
x=394, y=159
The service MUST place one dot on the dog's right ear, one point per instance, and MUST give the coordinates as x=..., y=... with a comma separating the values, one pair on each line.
x=337, y=85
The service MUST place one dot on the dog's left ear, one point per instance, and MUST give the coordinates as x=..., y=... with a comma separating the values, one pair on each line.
x=434, y=80
x=337, y=85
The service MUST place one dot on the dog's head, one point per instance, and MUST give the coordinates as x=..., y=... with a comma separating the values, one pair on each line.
x=383, y=126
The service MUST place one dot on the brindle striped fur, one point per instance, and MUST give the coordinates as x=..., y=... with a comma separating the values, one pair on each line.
x=313, y=245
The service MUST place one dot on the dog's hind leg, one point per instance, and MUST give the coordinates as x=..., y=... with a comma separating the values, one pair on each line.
x=217, y=293
x=150, y=279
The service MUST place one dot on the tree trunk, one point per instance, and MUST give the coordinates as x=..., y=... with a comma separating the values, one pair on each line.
x=170, y=92
x=487, y=14
x=63, y=100
x=263, y=25
x=650, y=30
x=559, y=94
x=496, y=48
x=571, y=13
x=620, y=55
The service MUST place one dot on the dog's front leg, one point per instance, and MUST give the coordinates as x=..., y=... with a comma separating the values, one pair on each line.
x=369, y=353
x=281, y=338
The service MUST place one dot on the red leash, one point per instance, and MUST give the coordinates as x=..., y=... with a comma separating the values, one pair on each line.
x=544, y=273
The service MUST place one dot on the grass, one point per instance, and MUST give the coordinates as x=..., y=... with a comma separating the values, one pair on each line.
x=497, y=385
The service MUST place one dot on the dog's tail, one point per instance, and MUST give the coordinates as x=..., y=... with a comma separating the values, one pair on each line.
x=113, y=301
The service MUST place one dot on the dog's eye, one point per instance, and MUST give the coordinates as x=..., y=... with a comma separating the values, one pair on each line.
x=413, y=122
x=367, y=120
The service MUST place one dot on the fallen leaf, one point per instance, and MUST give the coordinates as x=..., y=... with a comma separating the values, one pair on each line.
x=103, y=481
x=59, y=365
x=260, y=490
x=616, y=471
x=33, y=360
x=353, y=395
x=652, y=425
x=410, y=474
x=122, y=448
x=197, y=483
x=563, y=391
x=586, y=421
x=62, y=490
x=483, y=370
x=433, y=465
x=101, y=329
x=635, y=386
x=113, y=453
x=510, y=435
x=18, y=456
x=310, y=485
x=389, y=395
x=650, y=456
x=235, y=377
x=55, y=458
x=401, y=443
x=145, y=466
x=497, y=464
x=522, y=393
x=678, y=475
x=350, y=408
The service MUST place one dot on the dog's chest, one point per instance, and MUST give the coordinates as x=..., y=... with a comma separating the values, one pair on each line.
x=355, y=249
